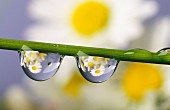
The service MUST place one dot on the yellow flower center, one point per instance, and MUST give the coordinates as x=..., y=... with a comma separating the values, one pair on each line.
x=90, y=64
x=140, y=78
x=41, y=56
x=90, y=17
x=34, y=68
x=96, y=58
x=97, y=71
x=32, y=54
x=28, y=59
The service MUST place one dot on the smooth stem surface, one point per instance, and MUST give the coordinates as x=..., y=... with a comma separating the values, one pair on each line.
x=135, y=55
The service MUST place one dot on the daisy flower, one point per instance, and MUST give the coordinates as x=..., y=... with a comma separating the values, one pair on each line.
x=18, y=94
x=30, y=57
x=89, y=63
x=35, y=68
x=92, y=62
x=92, y=22
x=98, y=72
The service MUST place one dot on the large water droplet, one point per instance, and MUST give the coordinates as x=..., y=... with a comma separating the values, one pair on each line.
x=96, y=69
x=40, y=66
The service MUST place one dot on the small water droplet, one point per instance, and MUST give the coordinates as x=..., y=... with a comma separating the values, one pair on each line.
x=138, y=50
x=39, y=66
x=163, y=51
x=96, y=69
x=135, y=53
x=164, y=54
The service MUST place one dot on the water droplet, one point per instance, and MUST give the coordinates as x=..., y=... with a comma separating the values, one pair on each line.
x=137, y=52
x=164, y=54
x=163, y=51
x=40, y=66
x=96, y=69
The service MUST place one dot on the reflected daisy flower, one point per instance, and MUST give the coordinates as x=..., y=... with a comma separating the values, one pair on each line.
x=92, y=62
x=27, y=57
x=41, y=57
x=30, y=57
x=82, y=63
x=35, y=68
x=89, y=63
x=98, y=72
x=31, y=54
x=22, y=63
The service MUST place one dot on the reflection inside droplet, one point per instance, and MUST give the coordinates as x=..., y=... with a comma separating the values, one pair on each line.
x=39, y=66
x=163, y=51
x=96, y=69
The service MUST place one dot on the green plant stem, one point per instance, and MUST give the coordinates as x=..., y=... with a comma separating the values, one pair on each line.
x=134, y=55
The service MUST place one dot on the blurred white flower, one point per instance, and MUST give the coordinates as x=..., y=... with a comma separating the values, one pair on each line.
x=17, y=99
x=160, y=34
x=93, y=22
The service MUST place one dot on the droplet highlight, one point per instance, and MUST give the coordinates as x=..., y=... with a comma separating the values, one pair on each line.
x=39, y=66
x=96, y=69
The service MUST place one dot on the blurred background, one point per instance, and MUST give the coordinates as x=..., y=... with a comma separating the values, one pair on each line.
x=117, y=24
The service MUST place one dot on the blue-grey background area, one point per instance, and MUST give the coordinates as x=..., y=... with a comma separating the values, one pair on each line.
x=13, y=22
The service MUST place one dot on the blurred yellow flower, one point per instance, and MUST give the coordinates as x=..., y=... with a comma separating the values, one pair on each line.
x=140, y=78
x=74, y=85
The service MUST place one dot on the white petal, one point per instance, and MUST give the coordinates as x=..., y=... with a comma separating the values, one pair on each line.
x=160, y=34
